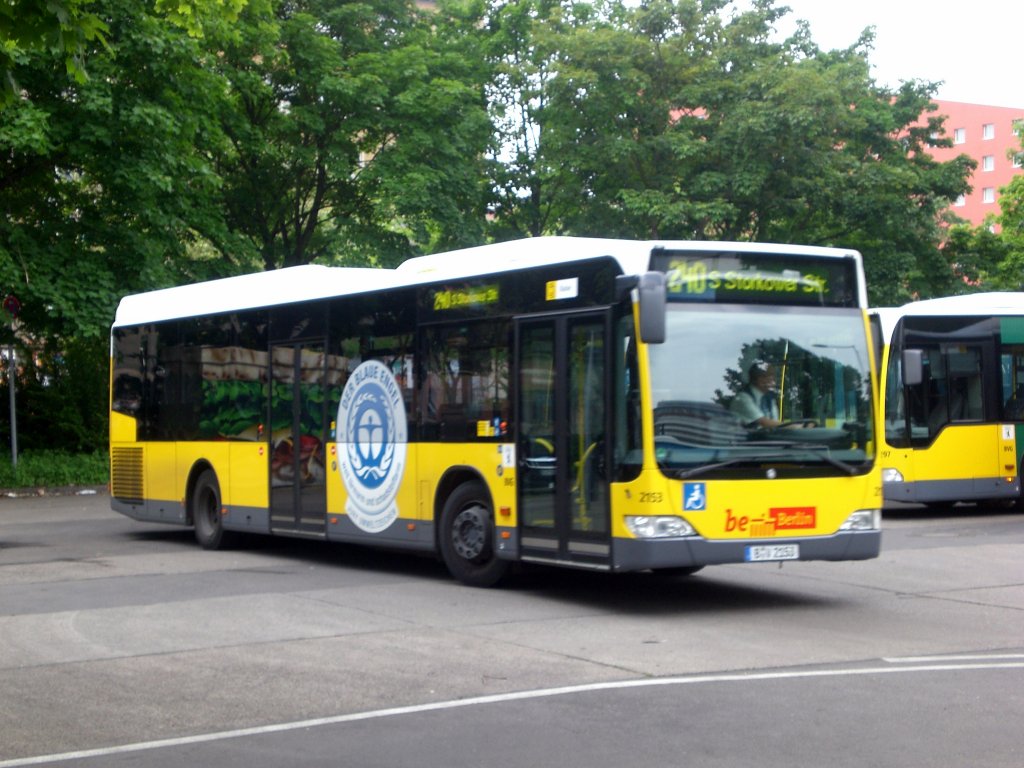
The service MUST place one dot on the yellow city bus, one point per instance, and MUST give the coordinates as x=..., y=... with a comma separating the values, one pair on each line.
x=553, y=400
x=953, y=399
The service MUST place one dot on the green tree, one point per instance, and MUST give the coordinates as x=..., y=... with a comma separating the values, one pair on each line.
x=987, y=258
x=69, y=28
x=1010, y=272
x=521, y=44
x=690, y=120
x=355, y=132
x=975, y=256
x=29, y=27
x=104, y=183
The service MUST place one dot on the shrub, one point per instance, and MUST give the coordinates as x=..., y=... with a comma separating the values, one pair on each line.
x=53, y=468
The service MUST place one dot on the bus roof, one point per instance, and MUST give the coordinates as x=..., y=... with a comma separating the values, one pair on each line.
x=259, y=289
x=633, y=256
x=310, y=282
x=994, y=303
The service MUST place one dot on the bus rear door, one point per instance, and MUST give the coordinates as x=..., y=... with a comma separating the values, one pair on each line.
x=298, y=495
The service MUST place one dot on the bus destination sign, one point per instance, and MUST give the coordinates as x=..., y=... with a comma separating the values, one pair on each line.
x=760, y=278
x=465, y=297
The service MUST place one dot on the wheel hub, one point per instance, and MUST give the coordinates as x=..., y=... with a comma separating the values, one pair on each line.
x=469, y=535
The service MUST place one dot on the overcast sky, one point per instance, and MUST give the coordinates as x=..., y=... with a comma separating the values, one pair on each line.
x=973, y=46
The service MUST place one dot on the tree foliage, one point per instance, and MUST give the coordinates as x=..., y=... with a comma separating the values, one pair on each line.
x=354, y=134
x=70, y=28
x=102, y=182
x=63, y=27
x=689, y=120
x=991, y=256
x=1010, y=271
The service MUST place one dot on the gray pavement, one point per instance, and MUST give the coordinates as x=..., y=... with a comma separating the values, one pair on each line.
x=114, y=632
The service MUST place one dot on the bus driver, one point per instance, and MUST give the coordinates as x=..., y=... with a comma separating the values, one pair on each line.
x=757, y=404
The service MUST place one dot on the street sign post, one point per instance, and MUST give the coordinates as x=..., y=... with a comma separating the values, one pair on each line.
x=12, y=306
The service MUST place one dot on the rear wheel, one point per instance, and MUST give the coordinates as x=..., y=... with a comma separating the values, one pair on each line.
x=206, y=511
x=467, y=537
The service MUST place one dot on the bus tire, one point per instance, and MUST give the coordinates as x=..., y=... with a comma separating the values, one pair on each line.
x=466, y=536
x=206, y=514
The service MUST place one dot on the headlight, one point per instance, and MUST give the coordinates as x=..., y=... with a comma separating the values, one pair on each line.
x=863, y=520
x=891, y=475
x=660, y=527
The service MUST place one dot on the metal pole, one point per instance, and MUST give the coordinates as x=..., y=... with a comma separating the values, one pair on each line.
x=12, y=375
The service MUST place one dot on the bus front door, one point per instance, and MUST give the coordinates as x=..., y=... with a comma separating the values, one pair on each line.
x=562, y=417
x=298, y=492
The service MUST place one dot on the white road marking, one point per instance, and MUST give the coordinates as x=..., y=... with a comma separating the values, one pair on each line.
x=953, y=657
x=989, y=662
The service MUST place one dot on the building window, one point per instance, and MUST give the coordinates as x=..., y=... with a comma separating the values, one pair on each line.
x=988, y=163
x=1017, y=160
x=988, y=131
x=961, y=201
x=959, y=135
x=988, y=195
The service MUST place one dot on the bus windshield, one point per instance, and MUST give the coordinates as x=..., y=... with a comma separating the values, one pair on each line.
x=737, y=391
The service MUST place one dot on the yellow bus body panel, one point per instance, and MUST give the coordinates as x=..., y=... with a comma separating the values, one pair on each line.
x=959, y=452
x=123, y=429
x=751, y=509
x=966, y=452
x=426, y=464
x=248, y=484
x=164, y=480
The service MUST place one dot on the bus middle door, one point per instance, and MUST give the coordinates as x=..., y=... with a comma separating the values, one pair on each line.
x=562, y=419
x=298, y=493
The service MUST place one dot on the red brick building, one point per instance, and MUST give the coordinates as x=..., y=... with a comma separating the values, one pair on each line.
x=991, y=136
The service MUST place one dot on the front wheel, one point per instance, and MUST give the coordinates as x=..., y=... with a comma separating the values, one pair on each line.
x=467, y=537
x=206, y=515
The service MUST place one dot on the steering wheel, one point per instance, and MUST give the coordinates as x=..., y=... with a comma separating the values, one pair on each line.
x=802, y=423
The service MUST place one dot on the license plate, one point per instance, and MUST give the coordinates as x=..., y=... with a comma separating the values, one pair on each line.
x=771, y=552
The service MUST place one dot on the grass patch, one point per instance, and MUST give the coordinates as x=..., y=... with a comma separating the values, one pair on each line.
x=53, y=468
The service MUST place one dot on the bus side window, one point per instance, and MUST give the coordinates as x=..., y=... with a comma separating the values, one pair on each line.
x=937, y=395
x=128, y=362
x=1013, y=383
x=464, y=390
x=963, y=366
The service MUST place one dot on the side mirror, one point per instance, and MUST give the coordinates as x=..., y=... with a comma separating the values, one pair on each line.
x=653, y=297
x=913, y=367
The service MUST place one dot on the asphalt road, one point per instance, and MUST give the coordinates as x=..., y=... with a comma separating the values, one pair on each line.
x=125, y=644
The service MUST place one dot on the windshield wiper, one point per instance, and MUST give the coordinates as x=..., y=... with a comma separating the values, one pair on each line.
x=818, y=451
x=822, y=452
x=688, y=473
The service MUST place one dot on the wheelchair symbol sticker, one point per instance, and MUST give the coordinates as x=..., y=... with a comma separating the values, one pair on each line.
x=694, y=497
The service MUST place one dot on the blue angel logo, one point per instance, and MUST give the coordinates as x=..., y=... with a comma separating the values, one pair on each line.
x=372, y=437
x=373, y=450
